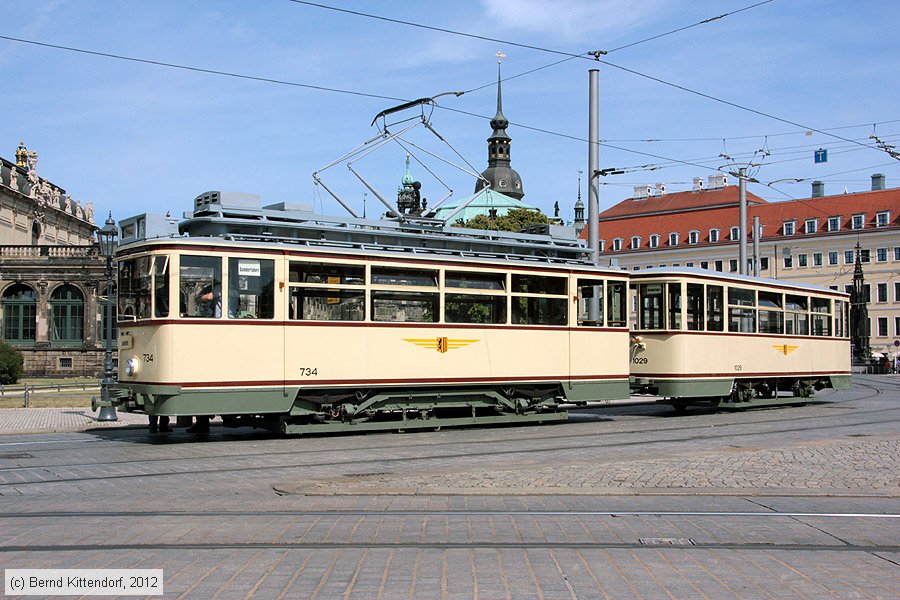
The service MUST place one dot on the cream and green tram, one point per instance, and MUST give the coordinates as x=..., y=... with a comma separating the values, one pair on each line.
x=735, y=341
x=280, y=319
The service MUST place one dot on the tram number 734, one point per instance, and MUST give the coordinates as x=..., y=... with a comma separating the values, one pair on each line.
x=308, y=371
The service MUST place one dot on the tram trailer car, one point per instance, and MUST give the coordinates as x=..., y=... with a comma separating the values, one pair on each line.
x=736, y=341
x=299, y=323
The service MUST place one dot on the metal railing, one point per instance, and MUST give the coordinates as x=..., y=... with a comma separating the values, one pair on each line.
x=29, y=390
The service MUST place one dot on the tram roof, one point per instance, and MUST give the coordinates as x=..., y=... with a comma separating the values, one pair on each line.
x=683, y=272
x=241, y=218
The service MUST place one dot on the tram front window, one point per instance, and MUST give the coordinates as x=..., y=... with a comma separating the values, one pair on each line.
x=134, y=289
x=695, y=307
x=652, y=315
x=161, y=286
x=200, y=286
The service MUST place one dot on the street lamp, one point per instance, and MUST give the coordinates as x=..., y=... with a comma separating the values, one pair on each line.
x=107, y=236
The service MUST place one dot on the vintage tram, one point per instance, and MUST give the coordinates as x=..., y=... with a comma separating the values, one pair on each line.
x=280, y=318
x=736, y=341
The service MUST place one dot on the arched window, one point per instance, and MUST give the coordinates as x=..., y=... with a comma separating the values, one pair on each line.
x=67, y=314
x=19, y=314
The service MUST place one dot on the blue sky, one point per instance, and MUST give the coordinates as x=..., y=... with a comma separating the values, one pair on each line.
x=132, y=137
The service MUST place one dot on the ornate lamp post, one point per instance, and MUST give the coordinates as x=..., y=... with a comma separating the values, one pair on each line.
x=107, y=236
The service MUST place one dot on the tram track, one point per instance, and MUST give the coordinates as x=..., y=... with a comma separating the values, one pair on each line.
x=724, y=431
x=544, y=436
x=381, y=461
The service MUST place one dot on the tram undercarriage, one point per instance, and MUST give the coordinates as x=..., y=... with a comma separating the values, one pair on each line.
x=337, y=411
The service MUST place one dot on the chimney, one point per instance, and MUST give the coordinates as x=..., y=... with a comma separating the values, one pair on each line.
x=660, y=189
x=698, y=184
x=877, y=182
x=641, y=192
x=818, y=189
x=717, y=182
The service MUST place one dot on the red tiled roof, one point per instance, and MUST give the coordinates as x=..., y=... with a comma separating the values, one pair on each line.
x=685, y=212
x=679, y=201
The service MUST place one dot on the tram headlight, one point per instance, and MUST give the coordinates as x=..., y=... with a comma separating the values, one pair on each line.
x=132, y=366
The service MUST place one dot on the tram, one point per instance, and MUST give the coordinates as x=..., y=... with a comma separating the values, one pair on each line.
x=736, y=341
x=279, y=318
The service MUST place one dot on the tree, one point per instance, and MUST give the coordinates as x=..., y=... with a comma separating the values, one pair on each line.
x=516, y=219
x=11, y=364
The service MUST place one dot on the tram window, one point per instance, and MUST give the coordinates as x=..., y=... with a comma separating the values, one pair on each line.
x=715, y=307
x=742, y=319
x=475, y=281
x=466, y=308
x=200, y=286
x=694, y=307
x=251, y=288
x=674, y=305
x=538, y=284
x=161, y=286
x=530, y=310
x=590, y=302
x=411, y=277
x=796, y=319
x=616, y=303
x=840, y=322
x=771, y=319
x=134, y=289
x=741, y=297
x=303, y=272
x=652, y=306
x=404, y=307
x=821, y=317
x=316, y=304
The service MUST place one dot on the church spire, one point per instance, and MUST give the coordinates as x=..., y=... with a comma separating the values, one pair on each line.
x=499, y=175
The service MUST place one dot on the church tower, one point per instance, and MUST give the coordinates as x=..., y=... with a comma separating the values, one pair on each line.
x=499, y=174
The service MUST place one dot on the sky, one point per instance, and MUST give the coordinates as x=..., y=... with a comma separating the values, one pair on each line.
x=762, y=87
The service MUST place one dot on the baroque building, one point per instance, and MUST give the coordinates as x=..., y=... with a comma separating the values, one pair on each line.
x=52, y=277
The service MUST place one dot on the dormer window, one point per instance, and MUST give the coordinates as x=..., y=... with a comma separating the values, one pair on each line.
x=811, y=226
x=790, y=227
x=635, y=242
x=693, y=237
x=713, y=235
x=834, y=223
x=654, y=240
x=617, y=244
x=734, y=234
x=858, y=221
x=673, y=239
x=883, y=218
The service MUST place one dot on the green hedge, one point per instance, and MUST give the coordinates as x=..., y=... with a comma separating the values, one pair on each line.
x=11, y=364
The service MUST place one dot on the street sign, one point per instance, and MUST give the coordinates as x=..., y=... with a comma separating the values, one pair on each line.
x=821, y=155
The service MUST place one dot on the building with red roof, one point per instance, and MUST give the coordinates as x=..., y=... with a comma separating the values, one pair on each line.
x=810, y=240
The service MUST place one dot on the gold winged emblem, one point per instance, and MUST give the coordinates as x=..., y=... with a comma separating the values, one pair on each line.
x=441, y=344
x=785, y=348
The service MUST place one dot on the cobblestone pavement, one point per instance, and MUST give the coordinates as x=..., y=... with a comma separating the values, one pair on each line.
x=626, y=502
x=830, y=468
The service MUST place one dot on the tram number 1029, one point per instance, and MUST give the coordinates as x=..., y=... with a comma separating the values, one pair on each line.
x=639, y=360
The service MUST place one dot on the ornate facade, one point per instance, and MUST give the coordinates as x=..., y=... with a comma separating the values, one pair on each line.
x=52, y=277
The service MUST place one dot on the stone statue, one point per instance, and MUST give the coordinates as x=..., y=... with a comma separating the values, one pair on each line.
x=14, y=179
x=89, y=212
